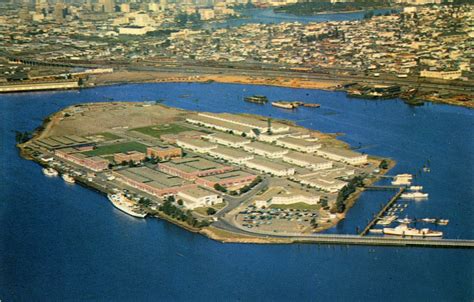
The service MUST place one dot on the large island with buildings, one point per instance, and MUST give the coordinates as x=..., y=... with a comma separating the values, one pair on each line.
x=232, y=177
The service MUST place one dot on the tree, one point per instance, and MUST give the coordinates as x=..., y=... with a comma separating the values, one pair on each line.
x=180, y=202
x=211, y=211
x=383, y=164
x=220, y=188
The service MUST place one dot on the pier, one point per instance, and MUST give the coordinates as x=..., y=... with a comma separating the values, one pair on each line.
x=387, y=241
x=382, y=188
x=383, y=210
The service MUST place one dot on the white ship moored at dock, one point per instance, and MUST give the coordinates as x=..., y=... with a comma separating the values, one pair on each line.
x=125, y=205
x=414, y=195
x=50, y=172
x=404, y=230
x=68, y=178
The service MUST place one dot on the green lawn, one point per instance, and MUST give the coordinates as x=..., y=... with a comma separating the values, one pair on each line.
x=296, y=206
x=203, y=210
x=117, y=148
x=158, y=130
x=109, y=136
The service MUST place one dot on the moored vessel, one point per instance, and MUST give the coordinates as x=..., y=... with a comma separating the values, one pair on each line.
x=125, y=205
x=50, y=172
x=259, y=99
x=404, y=230
x=284, y=105
x=414, y=195
x=68, y=178
x=387, y=220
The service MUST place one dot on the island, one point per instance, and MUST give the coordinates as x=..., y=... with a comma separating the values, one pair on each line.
x=231, y=177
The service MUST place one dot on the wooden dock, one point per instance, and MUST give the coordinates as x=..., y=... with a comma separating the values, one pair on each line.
x=382, y=211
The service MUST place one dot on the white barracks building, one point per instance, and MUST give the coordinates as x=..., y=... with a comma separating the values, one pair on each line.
x=307, y=160
x=298, y=144
x=343, y=155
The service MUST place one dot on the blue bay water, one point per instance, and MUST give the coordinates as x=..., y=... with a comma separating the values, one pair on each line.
x=61, y=242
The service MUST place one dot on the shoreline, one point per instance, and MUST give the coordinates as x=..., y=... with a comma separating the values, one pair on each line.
x=211, y=232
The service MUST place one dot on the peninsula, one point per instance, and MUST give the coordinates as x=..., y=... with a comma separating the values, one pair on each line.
x=233, y=178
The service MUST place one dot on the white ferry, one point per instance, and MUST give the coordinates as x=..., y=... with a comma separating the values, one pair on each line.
x=68, y=178
x=50, y=172
x=125, y=205
x=414, y=195
x=404, y=230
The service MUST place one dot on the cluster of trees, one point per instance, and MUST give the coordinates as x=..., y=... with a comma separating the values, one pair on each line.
x=144, y=202
x=22, y=137
x=350, y=188
x=177, y=213
x=248, y=187
x=383, y=164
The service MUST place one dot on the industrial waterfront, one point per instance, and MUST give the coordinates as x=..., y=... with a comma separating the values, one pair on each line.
x=72, y=216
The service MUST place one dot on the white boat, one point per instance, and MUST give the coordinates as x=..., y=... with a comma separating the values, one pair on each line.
x=402, y=180
x=404, y=230
x=405, y=220
x=68, y=178
x=443, y=221
x=428, y=220
x=414, y=195
x=284, y=105
x=415, y=188
x=387, y=220
x=50, y=172
x=125, y=205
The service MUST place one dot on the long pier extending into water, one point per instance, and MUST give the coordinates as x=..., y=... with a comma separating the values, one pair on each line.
x=383, y=210
x=387, y=241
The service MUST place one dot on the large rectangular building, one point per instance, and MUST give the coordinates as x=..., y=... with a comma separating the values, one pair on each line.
x=196, y=145
x=197, y=197
x=191, y=168
x=298, y=144
x=152, y=181
x=266, y=150
x=231, y=155
x=229, y=179
x=268, y=166
x=221, y=125
x=307, y=160
x=229, y=140
x=330, y=185
x=343, y=155
x=163, y=152
x=93, y=163
x=126, y=157
x=283, y=196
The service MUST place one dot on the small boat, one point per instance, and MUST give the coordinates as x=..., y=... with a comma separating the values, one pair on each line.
x=415, y=188
x=259, y=99
x=404, y=230
x=314, y=105
x=428, y=220
x=426, y=169
x=442, y=221
x=405, y=220
x=68, y=178
x=50, y=172
x=414, y=195
x=402, y=179
x=284, y=105
x=387, y=220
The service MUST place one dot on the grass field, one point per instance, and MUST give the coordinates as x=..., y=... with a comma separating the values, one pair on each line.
x=158, y=130
x=203, y=210
x=109, y=136
x=117, y=148
x=296, y=206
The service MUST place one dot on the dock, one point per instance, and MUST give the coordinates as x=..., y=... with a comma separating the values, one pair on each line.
x=382, y=211
x=387, y=241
